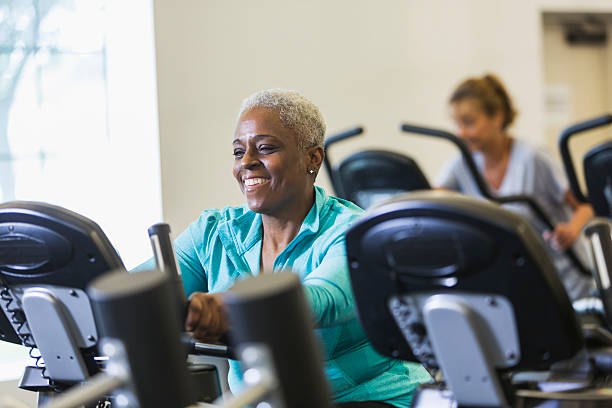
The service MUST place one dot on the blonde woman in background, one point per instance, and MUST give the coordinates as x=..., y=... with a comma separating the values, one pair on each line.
x=483, y=111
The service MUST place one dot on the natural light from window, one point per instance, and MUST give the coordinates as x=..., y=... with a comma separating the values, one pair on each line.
x=78, y=119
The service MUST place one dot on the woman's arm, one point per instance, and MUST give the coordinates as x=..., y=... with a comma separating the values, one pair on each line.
x=206, y=316
x=447, y=178
x=328, y=288
x=566, y=233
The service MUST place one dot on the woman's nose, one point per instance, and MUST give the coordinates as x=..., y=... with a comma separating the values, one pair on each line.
x=249, y=159
x=461, y=132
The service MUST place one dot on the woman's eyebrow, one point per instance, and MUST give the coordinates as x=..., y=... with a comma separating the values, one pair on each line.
x=257, y=137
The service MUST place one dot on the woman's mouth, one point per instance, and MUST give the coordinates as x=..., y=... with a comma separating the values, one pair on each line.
x=252, y=183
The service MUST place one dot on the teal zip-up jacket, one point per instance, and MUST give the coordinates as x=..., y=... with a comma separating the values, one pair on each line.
x=223, y=246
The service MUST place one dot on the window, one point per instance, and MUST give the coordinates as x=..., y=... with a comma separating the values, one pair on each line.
x=78, y=117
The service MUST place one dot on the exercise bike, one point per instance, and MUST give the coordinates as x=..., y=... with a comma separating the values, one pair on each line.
x=369, y=176
x=467, y=288
x=64, y=288
x=597, y=165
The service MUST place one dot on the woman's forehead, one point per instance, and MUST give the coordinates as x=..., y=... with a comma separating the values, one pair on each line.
x=467, y=104
x=262, y=122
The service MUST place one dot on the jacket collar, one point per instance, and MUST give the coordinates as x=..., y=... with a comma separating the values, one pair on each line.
x=239, y=234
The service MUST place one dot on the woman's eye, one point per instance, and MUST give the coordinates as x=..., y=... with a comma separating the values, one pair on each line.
x=266, y=148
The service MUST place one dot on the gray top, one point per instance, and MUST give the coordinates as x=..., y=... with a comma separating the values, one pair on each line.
x=531, y=172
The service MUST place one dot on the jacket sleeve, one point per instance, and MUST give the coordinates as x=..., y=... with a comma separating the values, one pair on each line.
x=192, y=248
x=328, y=288
x=189, y=262
x=447, y=177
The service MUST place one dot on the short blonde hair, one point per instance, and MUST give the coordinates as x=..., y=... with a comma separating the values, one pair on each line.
x=295, y=111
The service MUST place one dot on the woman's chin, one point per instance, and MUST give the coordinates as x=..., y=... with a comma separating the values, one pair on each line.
x=255, y=206
x=473, y=147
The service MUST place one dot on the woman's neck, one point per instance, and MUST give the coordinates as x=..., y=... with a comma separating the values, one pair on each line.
x=498, y=152
x=280, y=229
x=278, y=232
x=496, y=161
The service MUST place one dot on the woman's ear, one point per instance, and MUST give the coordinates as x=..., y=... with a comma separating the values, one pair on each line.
x=315, y=157
x=499, y=117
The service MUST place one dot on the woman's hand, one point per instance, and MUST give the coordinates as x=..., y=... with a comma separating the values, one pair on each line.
x=206, y=316
x=562, y=237
x=567, y=233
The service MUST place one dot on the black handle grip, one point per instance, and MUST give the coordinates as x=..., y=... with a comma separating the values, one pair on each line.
x=163, y=251
x=125, y=305
x=271, y=310
x=599, y=233
x=218, y=349
x=165, y=260
x=483, y=188
x=346, y=134
x=463, y=149
x=330, y=140
x=564, y=139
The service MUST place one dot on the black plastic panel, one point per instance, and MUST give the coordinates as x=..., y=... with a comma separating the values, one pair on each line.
x=45, y=244
x=378, y=170
x=27, y=249
x=412, y=247
x=598, y=174
x=454, y=243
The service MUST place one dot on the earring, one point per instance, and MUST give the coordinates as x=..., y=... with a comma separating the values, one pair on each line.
x=311, y=171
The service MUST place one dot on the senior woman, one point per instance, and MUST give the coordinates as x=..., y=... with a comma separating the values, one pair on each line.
x=288, y=223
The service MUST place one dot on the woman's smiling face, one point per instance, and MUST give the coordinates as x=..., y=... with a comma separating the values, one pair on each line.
x=270, y=167
x=474, y=126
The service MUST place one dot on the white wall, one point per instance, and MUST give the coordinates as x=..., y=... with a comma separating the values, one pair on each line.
x=579, y=80
x=362, y=62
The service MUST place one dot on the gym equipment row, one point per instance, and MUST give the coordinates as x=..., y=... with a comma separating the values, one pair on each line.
x=106, y=335
x=460, y=285
x=368, y=176
x=468, y=289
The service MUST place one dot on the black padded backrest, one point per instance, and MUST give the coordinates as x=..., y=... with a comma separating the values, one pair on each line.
x=442, y=242
x=46, y=244
x=598, y=175
x=378, y=172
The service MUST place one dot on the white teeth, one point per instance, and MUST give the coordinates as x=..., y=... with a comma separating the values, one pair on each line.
x=253, y=181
